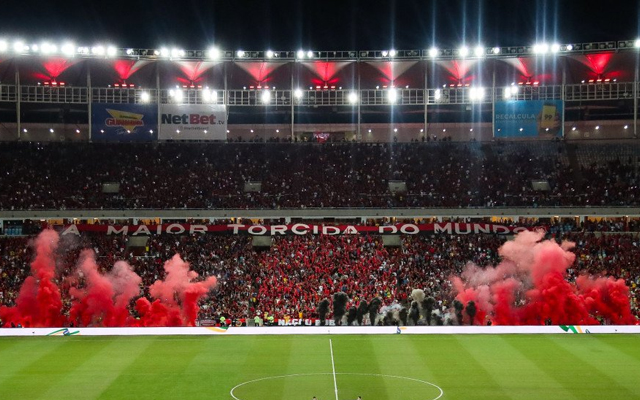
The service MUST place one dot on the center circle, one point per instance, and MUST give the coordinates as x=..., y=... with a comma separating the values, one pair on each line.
x=355, y=374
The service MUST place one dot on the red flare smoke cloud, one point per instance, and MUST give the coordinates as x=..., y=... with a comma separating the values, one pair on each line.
x=530, y=287
x=99, y=299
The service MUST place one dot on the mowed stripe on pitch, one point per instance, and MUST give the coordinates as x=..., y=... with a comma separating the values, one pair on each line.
x=152, y=374
x=18, y=353
x=620, y=371
x=97, y=372
x=516, y=373
x=359, y=354
x=33, y=380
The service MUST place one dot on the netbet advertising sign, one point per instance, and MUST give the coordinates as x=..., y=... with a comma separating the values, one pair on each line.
x=193, y=122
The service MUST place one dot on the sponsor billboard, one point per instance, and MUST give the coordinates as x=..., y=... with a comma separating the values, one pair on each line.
x=124, y=122
x=532, y=118
x=193, y=122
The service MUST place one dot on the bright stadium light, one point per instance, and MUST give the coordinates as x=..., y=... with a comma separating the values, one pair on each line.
x=98, y=50
x=298, y=94
x=68, y=49
x=176, y=94
x=570, y=47
x=496, y=50
x=48, y=48
x=240, y=53
x=438, y=94
x=637, y=43
x=392, y=53
x=478, y=51
x=463, y=51
x=300, y=54
x=164, y=52
x=18, y=47
x=476, y=94
x=209, y=96
x=433, y=52
x=541, y=48
x=83, y=50
x=269, y=54
x=392, y=95
x=112, y=51
x=145, y=97
x=309, y=54
x=353, y=97
x=555, y=48
x=176, y=53
x=4, y=46
x=384, y=53
x=266, y=96
x=214, y=53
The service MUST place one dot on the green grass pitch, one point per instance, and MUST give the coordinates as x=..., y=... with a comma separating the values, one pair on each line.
x=390, y=367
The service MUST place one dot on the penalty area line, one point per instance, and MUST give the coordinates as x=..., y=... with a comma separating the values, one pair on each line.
x=333, y=366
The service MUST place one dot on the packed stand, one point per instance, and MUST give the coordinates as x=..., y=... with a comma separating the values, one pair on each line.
x=297, y=272
x=294, y=175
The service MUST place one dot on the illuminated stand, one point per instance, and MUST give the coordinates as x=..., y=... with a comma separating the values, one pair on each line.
x=431, y=94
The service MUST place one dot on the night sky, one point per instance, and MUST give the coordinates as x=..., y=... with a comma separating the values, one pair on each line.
x=318, y=25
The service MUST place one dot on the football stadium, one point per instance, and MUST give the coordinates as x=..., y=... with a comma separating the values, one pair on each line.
x=455, y=222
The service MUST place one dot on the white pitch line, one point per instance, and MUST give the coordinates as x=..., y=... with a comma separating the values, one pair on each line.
x=333, y=366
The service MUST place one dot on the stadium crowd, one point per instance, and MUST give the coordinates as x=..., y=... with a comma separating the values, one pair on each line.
x=295, y=175
x=297, y=272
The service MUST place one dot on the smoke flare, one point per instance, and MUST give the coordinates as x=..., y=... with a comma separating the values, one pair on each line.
x=530, y=287
x=104, y=299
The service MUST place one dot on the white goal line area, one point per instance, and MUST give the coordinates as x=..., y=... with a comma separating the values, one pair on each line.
x=323, y=330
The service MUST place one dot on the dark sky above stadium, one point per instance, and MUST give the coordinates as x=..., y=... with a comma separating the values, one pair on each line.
x=318, y=25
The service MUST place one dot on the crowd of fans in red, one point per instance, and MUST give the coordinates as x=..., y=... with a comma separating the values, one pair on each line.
x=297, y=272
x=296, y=175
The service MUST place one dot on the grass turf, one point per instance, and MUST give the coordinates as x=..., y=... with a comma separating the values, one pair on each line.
x=390, y=367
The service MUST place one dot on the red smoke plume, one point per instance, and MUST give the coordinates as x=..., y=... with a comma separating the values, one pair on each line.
x=99, y=299
x=39, y=303
x=530, y=287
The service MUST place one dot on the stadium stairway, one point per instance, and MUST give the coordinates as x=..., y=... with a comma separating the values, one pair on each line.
x=574, y=163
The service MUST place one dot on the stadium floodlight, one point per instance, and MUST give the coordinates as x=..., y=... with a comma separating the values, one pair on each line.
x=541, y=48
x=476, y=93
x=83, y=50
x=496, y=50
x=555, y=48
x=433, y=52
x=384, y=53
x=569, y=47
x=300, y=54
x=438, y=94
x=240, y=53
x=214, y=53
x=636, y=44
x=112, y=51
x=309, y=54
x=269, y=53
x=68, y=49
x=392, y=53
x=298, y=94
x=209, y=96
x=48, y=48
x=463, y=51
x=98, y=50
x=266, y=96
x=145, y=97
x=392, y=95
x=164, y=52
x=51, y=130
x=4, y=46
x=353, y=97
x=177, y=53
x=626, y=127
x=176, y=94
x=18, y=47
x=479, y=51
